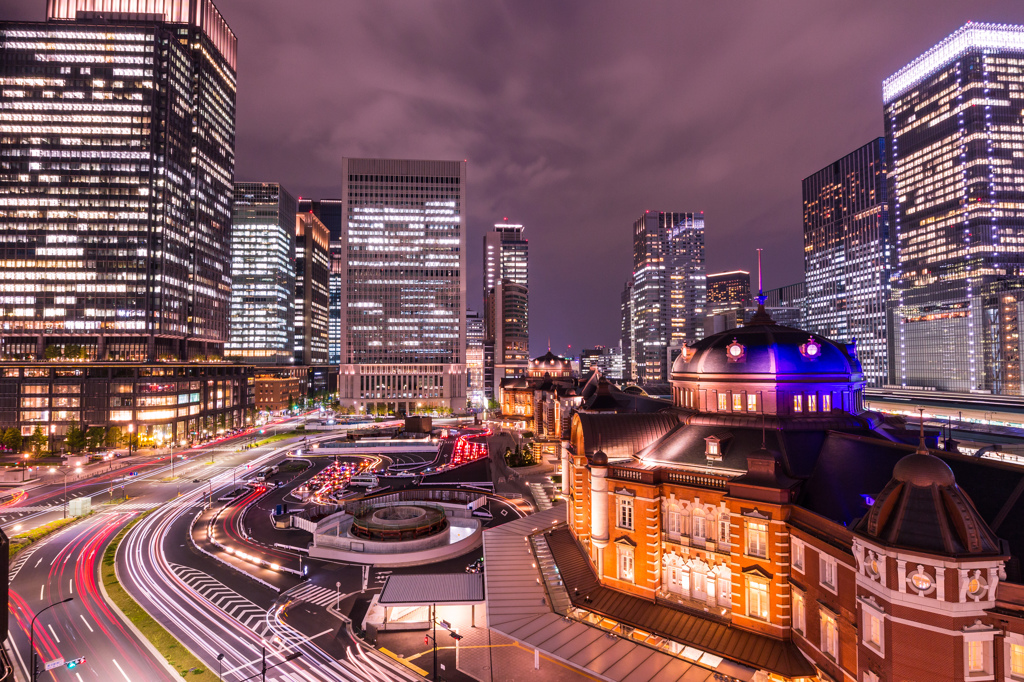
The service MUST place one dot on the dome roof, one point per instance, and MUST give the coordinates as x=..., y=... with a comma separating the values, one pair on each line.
x=767, y=348
x=549, y=362
x=922, y=508
x=599, y=459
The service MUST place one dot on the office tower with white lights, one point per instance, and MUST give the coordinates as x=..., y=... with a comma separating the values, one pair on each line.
x=846, y=254
x=668, y=292
x=117, y=139
x=954, y=135
x=263, y=274
x=506, y=304
x=312, y=274
x=475, y=358
x=329, y=213
x=404, y=285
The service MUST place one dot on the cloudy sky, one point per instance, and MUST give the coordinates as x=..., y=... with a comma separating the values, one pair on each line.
x=576, y=115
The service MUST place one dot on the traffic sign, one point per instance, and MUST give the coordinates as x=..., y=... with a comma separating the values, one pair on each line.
x=55, y=663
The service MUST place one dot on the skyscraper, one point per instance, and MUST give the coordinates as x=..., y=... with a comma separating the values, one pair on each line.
x=403, y=284
x=846, y=254
x=669, y=290
x=954, y=133
x=506, y=304
x=116, y=163
x=118, y=154
x=728, y=291
x=263, y=274
x=475, y=358
x=329, y=212
x=312, y=273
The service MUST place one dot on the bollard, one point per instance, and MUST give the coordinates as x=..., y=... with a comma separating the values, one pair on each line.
x=536, y=659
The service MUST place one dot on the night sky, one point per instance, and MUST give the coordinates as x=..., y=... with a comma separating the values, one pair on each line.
x=575, y=116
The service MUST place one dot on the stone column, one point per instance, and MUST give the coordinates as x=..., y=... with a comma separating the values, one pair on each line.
x=599, y=513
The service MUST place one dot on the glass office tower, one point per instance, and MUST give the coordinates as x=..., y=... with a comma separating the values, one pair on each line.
x=403, y=285
x=669, y=290
x=312, y=274
x=954, y=132
x=263, y=274
x=728, y=291
x=506, y=304
x=117, y=144
x=846, y=254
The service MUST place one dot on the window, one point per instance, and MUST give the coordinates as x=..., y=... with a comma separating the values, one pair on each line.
x=698, y=524
x=723, y=402
x=751, y=402
x=625, y=515
x=713, y=448
x=812, y=403
x=757, y=539
x=724, y=529
x=829, y=635
x=826, y=402
x=798, y=403
x=1017, y=659
x=798, y=554
x=737, y=402
x=976, y=656
x=625, y=563
x=757, y=598
x=799, y=611
x=827, y=571
x=873, y=630
x=673, y=522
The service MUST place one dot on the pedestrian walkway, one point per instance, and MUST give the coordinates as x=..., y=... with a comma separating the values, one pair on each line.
x=312, y=593
x=540, y=496
x=224, y=598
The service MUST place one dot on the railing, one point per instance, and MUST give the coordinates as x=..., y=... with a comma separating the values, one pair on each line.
x=655, y=476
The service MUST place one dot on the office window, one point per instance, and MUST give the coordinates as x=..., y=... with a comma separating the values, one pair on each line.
x=751, y=402
x=827, y=571
x=625, y=512
x=798, y=403
x=829, y=635
x=757, y=598
x=799, y=611
x=723, y=402
x=757, y=539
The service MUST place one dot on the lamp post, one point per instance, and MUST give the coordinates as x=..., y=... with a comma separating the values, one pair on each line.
x=32, y=638
x=220, y=658
x=131, y=432
x=77, y=469
x=53, y=428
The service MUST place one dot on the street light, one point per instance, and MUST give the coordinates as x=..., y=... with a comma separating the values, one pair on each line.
x=131, y=430
x=32, y=637
x=220, y=657
x=53, y=428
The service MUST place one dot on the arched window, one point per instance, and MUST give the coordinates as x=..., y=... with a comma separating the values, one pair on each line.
x=724, y=528
x=673, y=520
x=699, y=526
x=724, y=586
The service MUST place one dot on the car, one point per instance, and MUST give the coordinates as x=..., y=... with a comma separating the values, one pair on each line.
x=197, y=480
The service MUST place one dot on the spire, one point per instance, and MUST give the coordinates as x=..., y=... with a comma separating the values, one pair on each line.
x=922, y=448
x=761, y=316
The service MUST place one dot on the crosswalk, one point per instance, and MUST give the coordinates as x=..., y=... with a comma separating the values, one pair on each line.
x=18, y=563
x=227, y=600
x=17, y=512
x=312, y=593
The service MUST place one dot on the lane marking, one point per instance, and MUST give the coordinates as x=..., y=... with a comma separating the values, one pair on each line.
x=71, y=585
x=86, y=622
x=53, y=633
x=122, y=670
x=41, y=589
x=79, y=676
x=39, y=562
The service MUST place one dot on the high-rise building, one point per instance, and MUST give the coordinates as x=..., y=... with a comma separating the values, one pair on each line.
x=403, y=284
x=669, y=289
x=727, y=291
x=329, y=211
x=116, y=162
x=115, y=191
x=506, y=259
x=954, y=133
x=626, y=330
x=606, y=360
x=475, y=358
x=312, y=273
x=846, y=254
x=785, y=305
x=263, y=274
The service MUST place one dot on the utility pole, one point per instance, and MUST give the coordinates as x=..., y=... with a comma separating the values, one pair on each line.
x=433, y=622
x=263, y=671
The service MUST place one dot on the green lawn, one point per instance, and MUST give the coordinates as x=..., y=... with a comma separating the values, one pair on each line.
x=180, y=658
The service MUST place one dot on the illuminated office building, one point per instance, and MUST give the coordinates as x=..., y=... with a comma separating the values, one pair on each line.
x=954, y=135
x=312, y=274
x=728, y=291
x=329, y=213
x=475, y=358
x=263, y=274
x=403, y=284
x=669, y=290
x=506, y=304
x=846, y=254
x=117, y=133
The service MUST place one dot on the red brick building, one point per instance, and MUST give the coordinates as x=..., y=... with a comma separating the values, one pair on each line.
x=766, y=518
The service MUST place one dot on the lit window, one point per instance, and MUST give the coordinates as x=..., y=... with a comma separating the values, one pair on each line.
x=757, y=539
x=673, y=522
x=713, y=448
x=723, y=402
x=698, y=525
x=1017, y=659
x=757, y=598
x=826, y=403
x=625, y=515
x=798, y=403
x=625, y=563
x=827, y=571
x=799, y=611
x=798, y=554
x=874, y=631
x=737, y=402
x=829, y=635
x=812, y=403
x=724, y=529
x=976, y=656
x=751, y=402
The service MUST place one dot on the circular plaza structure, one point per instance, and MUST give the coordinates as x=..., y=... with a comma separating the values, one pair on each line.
x=396, y=523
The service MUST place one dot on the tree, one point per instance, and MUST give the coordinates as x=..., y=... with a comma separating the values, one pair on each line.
x=75, y=438
x=12, y=439
x=94, y=437
x=291, y=403
x=113, y=437
x=52, y=352
x=492, y=404
x=38, y=441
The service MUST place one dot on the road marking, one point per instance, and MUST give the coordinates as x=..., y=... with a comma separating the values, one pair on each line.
x=79, y=676
x=86, y=622
x=71, y=585
x=53, y=633
x=39, y=562
x=41, y=588
x=122, y=670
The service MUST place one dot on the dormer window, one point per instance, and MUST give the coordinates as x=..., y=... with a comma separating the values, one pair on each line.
x=713, y=447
